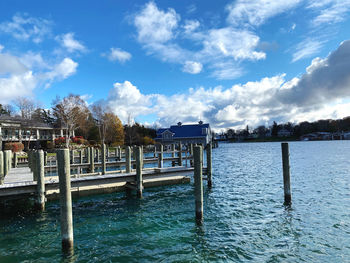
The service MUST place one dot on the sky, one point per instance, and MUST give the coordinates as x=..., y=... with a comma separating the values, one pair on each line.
x=229, y=63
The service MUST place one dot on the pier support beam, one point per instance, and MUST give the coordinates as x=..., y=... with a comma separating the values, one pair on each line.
x=209, y=164
x=103, y=158
x=15, y=160
x=127, y=159
x=160, y=156
x=92, y=159
x=286, y=173
x=81, y=156
x=45, y=158
x=139, y=161
x=40, y=200
x=65, y=199
x=2, y=175
x=7, y=158
x=180, y=154
x=198, y=183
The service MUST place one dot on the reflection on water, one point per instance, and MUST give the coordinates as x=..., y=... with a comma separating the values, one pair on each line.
x=244, y=215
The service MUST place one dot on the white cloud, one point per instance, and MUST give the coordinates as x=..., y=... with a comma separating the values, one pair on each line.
x=330, y=11
x=321, y=92
x=1, y=48
x=68, y=42
x=24, y=27
x=307, y=48
x=160, y=31
x=118, y=54
x=62, y=70
x=190, y=26
x=154, y=25
x=21, y=75
x=192, y=67
x=256, y=12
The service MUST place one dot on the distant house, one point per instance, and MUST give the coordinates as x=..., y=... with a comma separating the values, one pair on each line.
x=15, y=129
x=190, y=133
x=283, y=133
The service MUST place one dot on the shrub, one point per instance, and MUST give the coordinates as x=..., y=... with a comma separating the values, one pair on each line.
x=60, y=140
x=50, y=145
x=14, y=146
x=148, y=140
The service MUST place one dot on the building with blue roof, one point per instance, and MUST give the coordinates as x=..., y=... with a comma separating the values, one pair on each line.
x=190, y=133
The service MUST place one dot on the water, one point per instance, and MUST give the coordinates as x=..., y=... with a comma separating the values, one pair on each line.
x=244, y=216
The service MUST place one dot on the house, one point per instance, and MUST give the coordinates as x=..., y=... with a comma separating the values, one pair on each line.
x=15, y=129
x=283, y=133
x=190, y=133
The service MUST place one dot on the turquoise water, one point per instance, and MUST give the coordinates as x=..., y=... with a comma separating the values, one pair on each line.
x=244, y=216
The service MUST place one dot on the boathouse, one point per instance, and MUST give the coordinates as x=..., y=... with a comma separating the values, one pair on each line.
x=16, y=129
x=190, y=133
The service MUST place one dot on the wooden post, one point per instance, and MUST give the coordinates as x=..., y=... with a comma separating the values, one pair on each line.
x=71, y=156
x=45, y=158
x=127, y=159
x=40, y=200
x=34, y=166
x=198, y=183
x=286, y=173
x=81, y=156
x=65, y=199
x=98, y=154
x=191, y=149
x=160, y=156
x=103, y=155
x=6, y=163
x=180, y=154
x=2, y=175
x=139, y=162
x=87, y=154
x=15, y=160
x=107, y=152
x=209, y=164
x=173, y=150
x=29, y=158
x=116, y=152
x=9, y=160
x=92, y=159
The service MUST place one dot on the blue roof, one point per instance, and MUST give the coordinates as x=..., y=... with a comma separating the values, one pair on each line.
x=183, y=131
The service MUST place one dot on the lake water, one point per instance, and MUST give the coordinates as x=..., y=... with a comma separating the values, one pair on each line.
x=244, y=216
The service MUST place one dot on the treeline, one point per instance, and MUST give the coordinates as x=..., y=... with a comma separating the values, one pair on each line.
x=94, y=124
x=295, y=130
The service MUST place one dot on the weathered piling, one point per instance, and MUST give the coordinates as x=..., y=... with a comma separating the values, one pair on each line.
x=286, y=173
x=127, y=159
x=87, y=154
x=139, y=162
x=160, y=156
x=180, y=154
x=71, y=156
x=116, y=152
x=209, y=164
x=45, y=158
x=198, y=183
x=103, y=158
x=97, y=155
x=65, y=199
x=81, y=160
x=34, y=166
x=15, y=159
x=29, y=156
x=92, y=159
x=6, y=162
x=2, y=176
x=40, y=200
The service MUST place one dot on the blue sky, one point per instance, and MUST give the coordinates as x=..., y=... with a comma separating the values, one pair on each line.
x=230, y=63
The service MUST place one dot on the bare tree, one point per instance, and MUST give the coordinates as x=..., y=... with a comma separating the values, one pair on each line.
x=70, y=111
x=26, y=107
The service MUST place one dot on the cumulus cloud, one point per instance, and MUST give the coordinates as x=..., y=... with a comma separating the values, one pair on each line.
x=69, y=43
x=192, y=67
x=321, y=92
x=117, y=54
x=159, y=31
x=24, y=27
x=21, y=75
x=154, y=25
